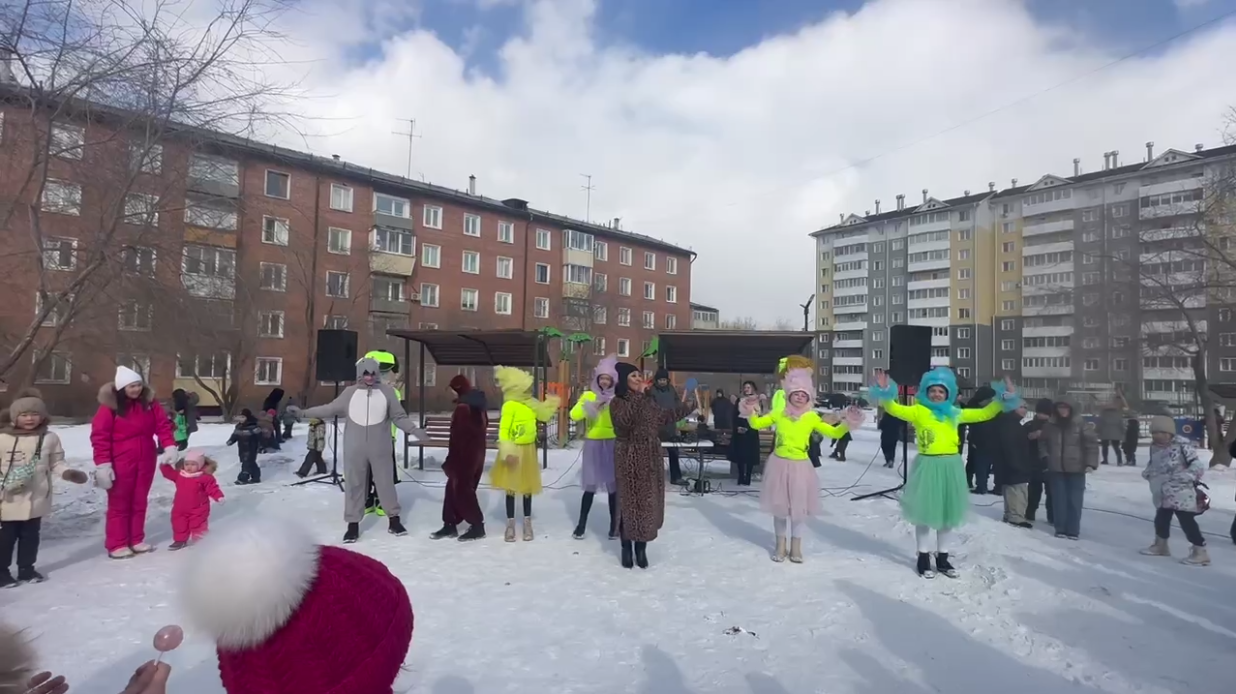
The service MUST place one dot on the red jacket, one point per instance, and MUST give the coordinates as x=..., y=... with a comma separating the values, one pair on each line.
x=465, y=454
x=193, y=491
x=126, y=437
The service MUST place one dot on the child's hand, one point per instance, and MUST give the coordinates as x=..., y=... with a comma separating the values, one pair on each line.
x=75, y=476
x=220, y=500
x=45, y=683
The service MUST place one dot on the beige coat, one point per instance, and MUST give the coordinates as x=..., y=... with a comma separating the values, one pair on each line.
x=34, y=498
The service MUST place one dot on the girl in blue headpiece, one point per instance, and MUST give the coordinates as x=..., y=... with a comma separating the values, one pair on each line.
x=936, y=495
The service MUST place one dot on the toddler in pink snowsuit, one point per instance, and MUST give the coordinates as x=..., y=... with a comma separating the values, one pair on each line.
x=195, y=488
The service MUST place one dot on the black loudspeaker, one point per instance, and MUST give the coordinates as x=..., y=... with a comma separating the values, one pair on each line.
x=909, y=354
x=336, y=357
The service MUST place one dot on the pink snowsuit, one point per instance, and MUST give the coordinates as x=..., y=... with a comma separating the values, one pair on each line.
x=124, y=434
x=191, y=505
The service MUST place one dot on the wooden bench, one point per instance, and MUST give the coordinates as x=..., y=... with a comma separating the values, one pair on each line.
x=439, y=430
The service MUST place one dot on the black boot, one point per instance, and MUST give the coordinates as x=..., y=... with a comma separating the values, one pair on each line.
x=943, y=565
x=641, y=554
x=396, y=528
x=924, y=566
x=175, y=546
x=613, y=516
x=353, y=533
x=585, y=505
x=6, y=579
x=447, y=530
x=29, y=575
x=628, y=561
x=474, y=532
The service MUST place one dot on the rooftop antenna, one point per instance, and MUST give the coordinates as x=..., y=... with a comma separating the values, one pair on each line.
x=411, y=135
x=587, y=188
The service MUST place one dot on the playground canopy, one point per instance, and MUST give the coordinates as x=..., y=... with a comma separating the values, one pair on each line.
x=723, y=351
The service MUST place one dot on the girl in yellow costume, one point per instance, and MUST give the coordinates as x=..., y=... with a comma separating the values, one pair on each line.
x=516, y=470
x=936, y=495
x=791, y=488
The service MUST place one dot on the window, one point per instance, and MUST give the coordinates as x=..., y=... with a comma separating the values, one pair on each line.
x=1090, y=364
x=1008, y=227
x=1008, y=305
x=963, y=313
x=393, y=240
x=650, y=320
x=278, y=185
x=540, y=307
x=963, y=333
x=270, y=324
x=207, y=366
x=1008, y=345
x=1008, y=265
x=136, y=316
x=600, y=250
x=1119, y=210
x=963, y=352
x=963, y=273
x=208, y=261
x=650, y=291
x=59, y=253
x=337, y=284
x=386, y=288
x=598, y=346
x=1008, y=324
x=502, y=303
x=391, y=205
x=624, y=255
x=138, y=260
x=210, y=212
x=61, y=197
x=146, y=158
x=1120, y=365
x=472, y=225
x=599, y=315
x=671, y=266
x=268, y=371
x=624, y=317
x=577, y=274
x=506, y=232
x=1008, y=364
x=472, y=262
x=1088, y=259
x=578, y=241
x=429, y=295
x=56, y=368
x=624, y=286
x=67, y=141
x=624, y=347
x=544, y=241
x=671, y=294
x=1227, y=364
x=431, y=256
x=138, y=362
x=340, y=198
x=1008, y=246
x=600, y=282
x=964, y=234
x=275, y=231
x=877, y=354
x=339, y=241
x=963, y=293
x=274, y=277
x=963, y=254
x=205, y=168
x=650, y=260
x=542, y=273
x=963, y=371
x=506, y=268
x=335, y=323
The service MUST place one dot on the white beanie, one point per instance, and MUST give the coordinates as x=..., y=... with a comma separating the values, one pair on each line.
x=126, y=377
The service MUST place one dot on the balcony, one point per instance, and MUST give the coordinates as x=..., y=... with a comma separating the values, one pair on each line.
x=848, y=378
x=1157, y=374
x=1041, y=249
x=849, y=291
x=934, y=302
x=939, y=361
x=209, y=287
x=847, y=344
x=1171, y=234
x=847, y=361
x=1046, y=371
x=386, y=305
x=850, y=274
x=854, y=322
x=928, y=284
x=1053, y=227
x=1050, y=310
x=926, y=265
x=1061, y=200
x=1055, y=351
x=1048, y=331
x=939, y=340
x=839, y=312
x=391, y=263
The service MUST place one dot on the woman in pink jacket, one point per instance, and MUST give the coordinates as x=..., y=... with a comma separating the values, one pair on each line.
x=123, y=434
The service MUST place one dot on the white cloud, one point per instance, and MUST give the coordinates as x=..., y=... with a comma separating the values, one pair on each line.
x=739, y=158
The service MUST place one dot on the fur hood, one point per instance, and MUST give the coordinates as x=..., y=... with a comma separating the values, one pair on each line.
x=209, y=466
x=16, y=660
x=107, y=396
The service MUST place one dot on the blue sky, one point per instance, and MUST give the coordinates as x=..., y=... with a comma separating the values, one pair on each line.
x=478, y=28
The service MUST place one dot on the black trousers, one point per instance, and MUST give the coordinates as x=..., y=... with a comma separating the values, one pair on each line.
x=813, y=452
x=22, y=536
x=674, y=469
x=1188, y=523
x=312, y=459
x=287, y=430
x=889, y=447
x=982, y=470
x=1114, y=444
x=1037, y=489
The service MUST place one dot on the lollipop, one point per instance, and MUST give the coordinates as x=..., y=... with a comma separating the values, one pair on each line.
x=168, y=639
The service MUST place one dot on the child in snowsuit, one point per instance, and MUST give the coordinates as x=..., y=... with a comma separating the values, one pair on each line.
x=516, y=470
x=270, y=432
x=31, y=457
x=248, y=439
x=1132, y=432
x=1174, y=472
x=316, y=444
x=791, y=486
x=936, y=495
x=196, y=487
x=180, y=431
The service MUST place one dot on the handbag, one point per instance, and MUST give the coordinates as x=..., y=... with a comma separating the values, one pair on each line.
x=16, y=477
x=1203, y=499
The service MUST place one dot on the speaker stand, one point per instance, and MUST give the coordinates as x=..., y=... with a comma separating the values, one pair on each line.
x=905, y=463
x=333, y=477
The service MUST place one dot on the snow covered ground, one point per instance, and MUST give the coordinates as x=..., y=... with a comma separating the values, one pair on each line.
x=1030, y=614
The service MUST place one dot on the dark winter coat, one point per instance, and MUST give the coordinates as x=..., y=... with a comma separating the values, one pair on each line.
x=638, y=467
x=185, y=403
x=465, y=453
x=1111, y=425
x=1132, y=436
x=1069, y=445
x=722, y=413
x=272, y=401
x=668, y=399
x=1015, y=462
x=248, y=438
x=890, y=429
x=1037, y=457
x=981, y=438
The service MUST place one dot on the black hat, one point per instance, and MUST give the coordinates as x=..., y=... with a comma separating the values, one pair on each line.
x=1043, y=406
x=624, y=371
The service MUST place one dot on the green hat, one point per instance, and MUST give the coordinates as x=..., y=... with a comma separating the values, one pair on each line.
x=386, y=360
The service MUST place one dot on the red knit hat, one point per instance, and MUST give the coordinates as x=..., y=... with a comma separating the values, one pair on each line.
x=460, y=384
x=288, y=615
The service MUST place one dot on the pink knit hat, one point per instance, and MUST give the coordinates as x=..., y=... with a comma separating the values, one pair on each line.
x=797, y=381
x=296, y=616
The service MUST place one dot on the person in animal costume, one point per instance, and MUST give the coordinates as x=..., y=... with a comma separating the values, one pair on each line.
x=936, y=495
x=791, y=487
x=370, y=407
x=516, y=470
x=389, y=365
x=597, y=473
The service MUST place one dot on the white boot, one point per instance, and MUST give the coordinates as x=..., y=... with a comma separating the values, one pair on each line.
x=796, y=550
x=779, y=553
x=1198, y=556
x=1158, y=549
x=528, y=534
x=509, y=535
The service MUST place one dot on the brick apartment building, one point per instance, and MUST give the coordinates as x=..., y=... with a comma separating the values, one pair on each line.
x=229, y=255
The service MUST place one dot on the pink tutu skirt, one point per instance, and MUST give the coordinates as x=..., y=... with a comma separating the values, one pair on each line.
x=790, y=489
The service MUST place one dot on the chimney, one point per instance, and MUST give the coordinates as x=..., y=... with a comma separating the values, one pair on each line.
x=1107, y=160
x=841, y=217
x=335, y=157
x=1014, y=182
x=901, y=202
x=966, y=193
x=877, y=207
x=617, y=222
x=472, y=185
x=924, y=195
x=991, y=186
x=1076, y=166
x=1115, y=158
x=1149, y=151
x=866, y=213
x=1198, y=147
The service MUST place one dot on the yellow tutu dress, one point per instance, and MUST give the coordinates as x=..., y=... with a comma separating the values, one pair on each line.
x=517, y=433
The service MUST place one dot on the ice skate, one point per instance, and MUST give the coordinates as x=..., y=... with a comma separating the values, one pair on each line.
x=796, y=550
x=509, y=535
x=528, y=534
x=353, y=533
x=579, y=531
x=1158, y=549
x=1198, y=556
x=447, y=530
x=779, y=553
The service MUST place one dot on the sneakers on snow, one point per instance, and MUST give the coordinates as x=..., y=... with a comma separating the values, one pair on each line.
x=447, y=530
x=475, y=532
x=924, y=566
x=943, y=565
x=1198, y=556
x=177, y=546
x=396, y=528
x=1158, y=549
x=352, y=534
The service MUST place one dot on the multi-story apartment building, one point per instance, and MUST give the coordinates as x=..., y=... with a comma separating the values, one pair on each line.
x=705, y=317
x=230, y=255
x=1071, y=283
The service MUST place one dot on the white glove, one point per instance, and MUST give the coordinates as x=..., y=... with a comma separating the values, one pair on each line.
x=103, y=476
x=293, y=411
x=219, y=501
x=170, y=456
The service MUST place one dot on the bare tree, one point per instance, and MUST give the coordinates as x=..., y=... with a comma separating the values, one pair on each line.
x=742, y=323
x=103, y=87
